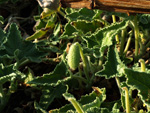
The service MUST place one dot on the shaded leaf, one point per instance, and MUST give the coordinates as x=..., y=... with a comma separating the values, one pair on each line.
x=38, y=108
x=15, y=46
x=53, y=78
x=6, y=73
x=68, y=31
x=140, y=81
x=113, y=66
x=49, y=93
x=1, y=20
x=87, y=27
x=2, y=37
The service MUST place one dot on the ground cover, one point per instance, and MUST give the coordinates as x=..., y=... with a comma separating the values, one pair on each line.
x=72, y=60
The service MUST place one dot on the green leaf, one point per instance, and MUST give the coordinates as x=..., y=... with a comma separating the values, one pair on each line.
x=39, y=109
x=115, y=108
x=93, y=100
x=49, y=93
x=6, y=73
x=82, y=14
x=1, y=20
x=103, y=37
x=140, y=81
x=97, y=110
x=47, y=46
x=38, y=34
x=30, y=75
x=111, y=105
x=57, y=29
x=42, y=32
x=2, y=37
x=73, y=101
x=15, y=46
x=53, y=78
x=39, y=24
x=87, y=27
x=113, y=66
x=68, y=31
x=144, y=18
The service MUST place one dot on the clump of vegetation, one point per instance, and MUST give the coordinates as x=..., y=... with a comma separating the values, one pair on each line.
x=73, y=55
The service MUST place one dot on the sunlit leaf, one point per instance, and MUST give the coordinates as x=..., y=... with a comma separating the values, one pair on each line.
x=82, y=14
x=104, y=37
x=93, y=100
x=68, y=31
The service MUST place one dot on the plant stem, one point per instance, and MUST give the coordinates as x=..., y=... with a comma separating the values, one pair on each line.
x=100, y=63
x=80, y=78
x=85, y=64
x=142, y=65
x=127, y=100
x=136, y=34
x=91, y=69
x=61, y=13
x=22, y=63
x=114, y=20
x=118, y=83
x=122, y=41
x=76, y=105
x=128, y=44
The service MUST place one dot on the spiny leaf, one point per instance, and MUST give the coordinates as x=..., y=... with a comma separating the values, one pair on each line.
x=140, y=81
x=38, y=108
x=15, y=46
x=97, y=110
x=104, y=36
x=113, y=66
x=144, y=18
x=49, y=93
x=53, y=78
x=68, y=31
x=93, y=100
x=7, y=78
x=82, y=14
x=6, y=73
